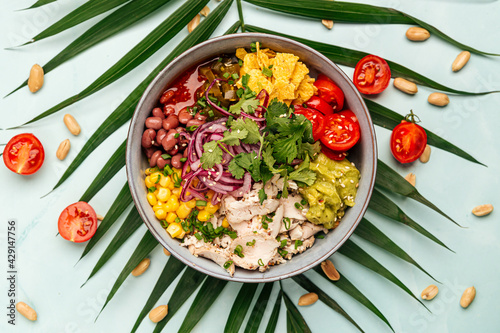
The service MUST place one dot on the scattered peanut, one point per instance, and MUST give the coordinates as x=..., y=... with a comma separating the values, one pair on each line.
x=438, y=99
x=166, y=252
x=194, y=23
x=426, y=155
x=330, y=270
x=482, y=210
x=63, y=149
x=205, y=11
x=72, y=124
x=142, y=267
x=405, y=86
x=100, y=217
x=411, y=178
x=35, y=80
x=417, y=34
x=430, y=292
x=460, y=61
x=158, y=313
x=308, y=299
x=467, y=297
x=327, y=23
x=26, y=311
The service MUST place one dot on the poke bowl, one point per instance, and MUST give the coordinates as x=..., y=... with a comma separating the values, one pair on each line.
x=228, y=169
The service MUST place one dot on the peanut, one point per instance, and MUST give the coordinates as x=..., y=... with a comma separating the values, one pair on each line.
x=100, y=217
x=26, y=311
x=205, y=11
x=194, y=23
x=411, y=178
x=417, y=34
x=35, y=80
x=308, y=299
x=426, y=155
x=63, y=149
x=430, y=292
x=330, y=270
x=438, y=99
x=72, y=124
x=460, y=61
x=158, y=313
x=328, y=24
x=482, y=210
x=467, y=297
x=142, y=267
x=166, y=252
x=405, y=86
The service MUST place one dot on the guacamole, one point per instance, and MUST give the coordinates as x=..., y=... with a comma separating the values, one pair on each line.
x=333, y=191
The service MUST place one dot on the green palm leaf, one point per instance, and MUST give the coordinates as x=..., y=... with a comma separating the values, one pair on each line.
x=117, y=21
x=141, y=52
x=390, y=180
x=355, y=13
x=295, y=321
x=111, y=168
x=124, y=111
x=172, y=270
x=349, y=57
x=389, y=119
x=188, y=283
x=273, y=319
x=132, y=222
x=259, y=309
x=346, y=286
x=209, y=291
x=383, y=205
x=40, y=3
x=369, y=232
x=240, y=307
x=354, y=252
x=308, y=285
x=146, y=245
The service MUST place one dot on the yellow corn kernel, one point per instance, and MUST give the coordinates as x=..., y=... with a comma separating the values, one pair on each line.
x=210, y=194
x=171, y=216
x=191, y=203
x=151, y=199
x=225, y=223
x=163, y=194
x=161, y=214
x=211, y=208
x=203, y=216
x=171, y=185
x=183, y=211
x=177, y=191
x=182, y=234
x=174, y=229
x=164, y=181
x=155, y=177
x=195, y=182
x=158, y=206
x=172, y=204
x=148, y=182
x=148, y=171
x=177, y=171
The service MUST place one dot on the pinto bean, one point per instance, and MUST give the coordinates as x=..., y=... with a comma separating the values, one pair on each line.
x=161, y=162
x=174, y=150
x=157, y=112
x=168, y=110
x=176, y=161
x=153, y=122
x=180, y=129
x=169, y=141
x=149, y=151
x=154, y=159
x=167, y=95
x=160, y=135
x=172, y=121
x=202, y=115
x=184, y=116
x=183, y=143
x=148, y=138
x=195, y=122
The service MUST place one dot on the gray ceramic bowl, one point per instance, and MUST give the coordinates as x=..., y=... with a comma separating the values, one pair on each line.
x=364, y=155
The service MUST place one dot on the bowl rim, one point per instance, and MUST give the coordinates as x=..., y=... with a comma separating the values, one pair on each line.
x=223, y=275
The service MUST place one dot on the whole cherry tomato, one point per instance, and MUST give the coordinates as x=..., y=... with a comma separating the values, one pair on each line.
x=77, y=222
x=341, y=132
x=24, y=154
x=408, y=140
x=315, y=117
x=320, y=104
x=331, y=93
x=371, y=75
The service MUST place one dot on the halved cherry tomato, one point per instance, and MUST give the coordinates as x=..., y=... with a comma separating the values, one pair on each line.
x=350, y=114
x=24, y=154
x=331, y=93
x=77, y=222
x=332, y=154
x=408, y=141
x=320, y=104
x=315, y=117
x=341, y=132
x=371, y=75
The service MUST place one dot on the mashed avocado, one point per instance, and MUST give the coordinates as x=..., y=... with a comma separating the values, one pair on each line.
x=333, y=191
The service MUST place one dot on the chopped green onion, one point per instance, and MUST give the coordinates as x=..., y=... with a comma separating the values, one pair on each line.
x=226, y=75
x=230, y=82
x=282, y=252
x=252, y=243
x=271, y=66
x=164, y=224
x=202, y=103
x=240, y=62
x=287, y=223
x=235, y=76
x=253, y=47
x=278, y=196
x=176, y=135
x=177, y=180
x=166, y=156
x=283, y=243
x=320, y=236
x=213, y=99
x=260, y=262
x=158, y=179
x=267, y=72
x=239, y=251
x=198, y=236
x=210, y=113
x=244, y=80
x=265, y=225
x=177, y=220
x=298, y=205
x=167, y=171
x=152, y=189
x=297, y=243
x=183, y=159
x=228, y=264
x=201, y=203
x=239, y=92
x=303, y=202
x=219, y=60
x=191, y=128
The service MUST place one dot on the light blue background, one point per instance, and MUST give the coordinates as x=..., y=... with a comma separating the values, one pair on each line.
x=49, y=277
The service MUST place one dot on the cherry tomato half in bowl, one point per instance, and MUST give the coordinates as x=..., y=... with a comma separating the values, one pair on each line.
x=330, y=92
x=24, y=154
x=320, y=104
x=408, y=141
x=341, y=131
x=77, y=222
x=371, y=75
x=332, y=154
x=316, y=119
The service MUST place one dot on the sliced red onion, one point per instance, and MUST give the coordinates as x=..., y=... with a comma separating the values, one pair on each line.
x=263, y=94
x=245, y=188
